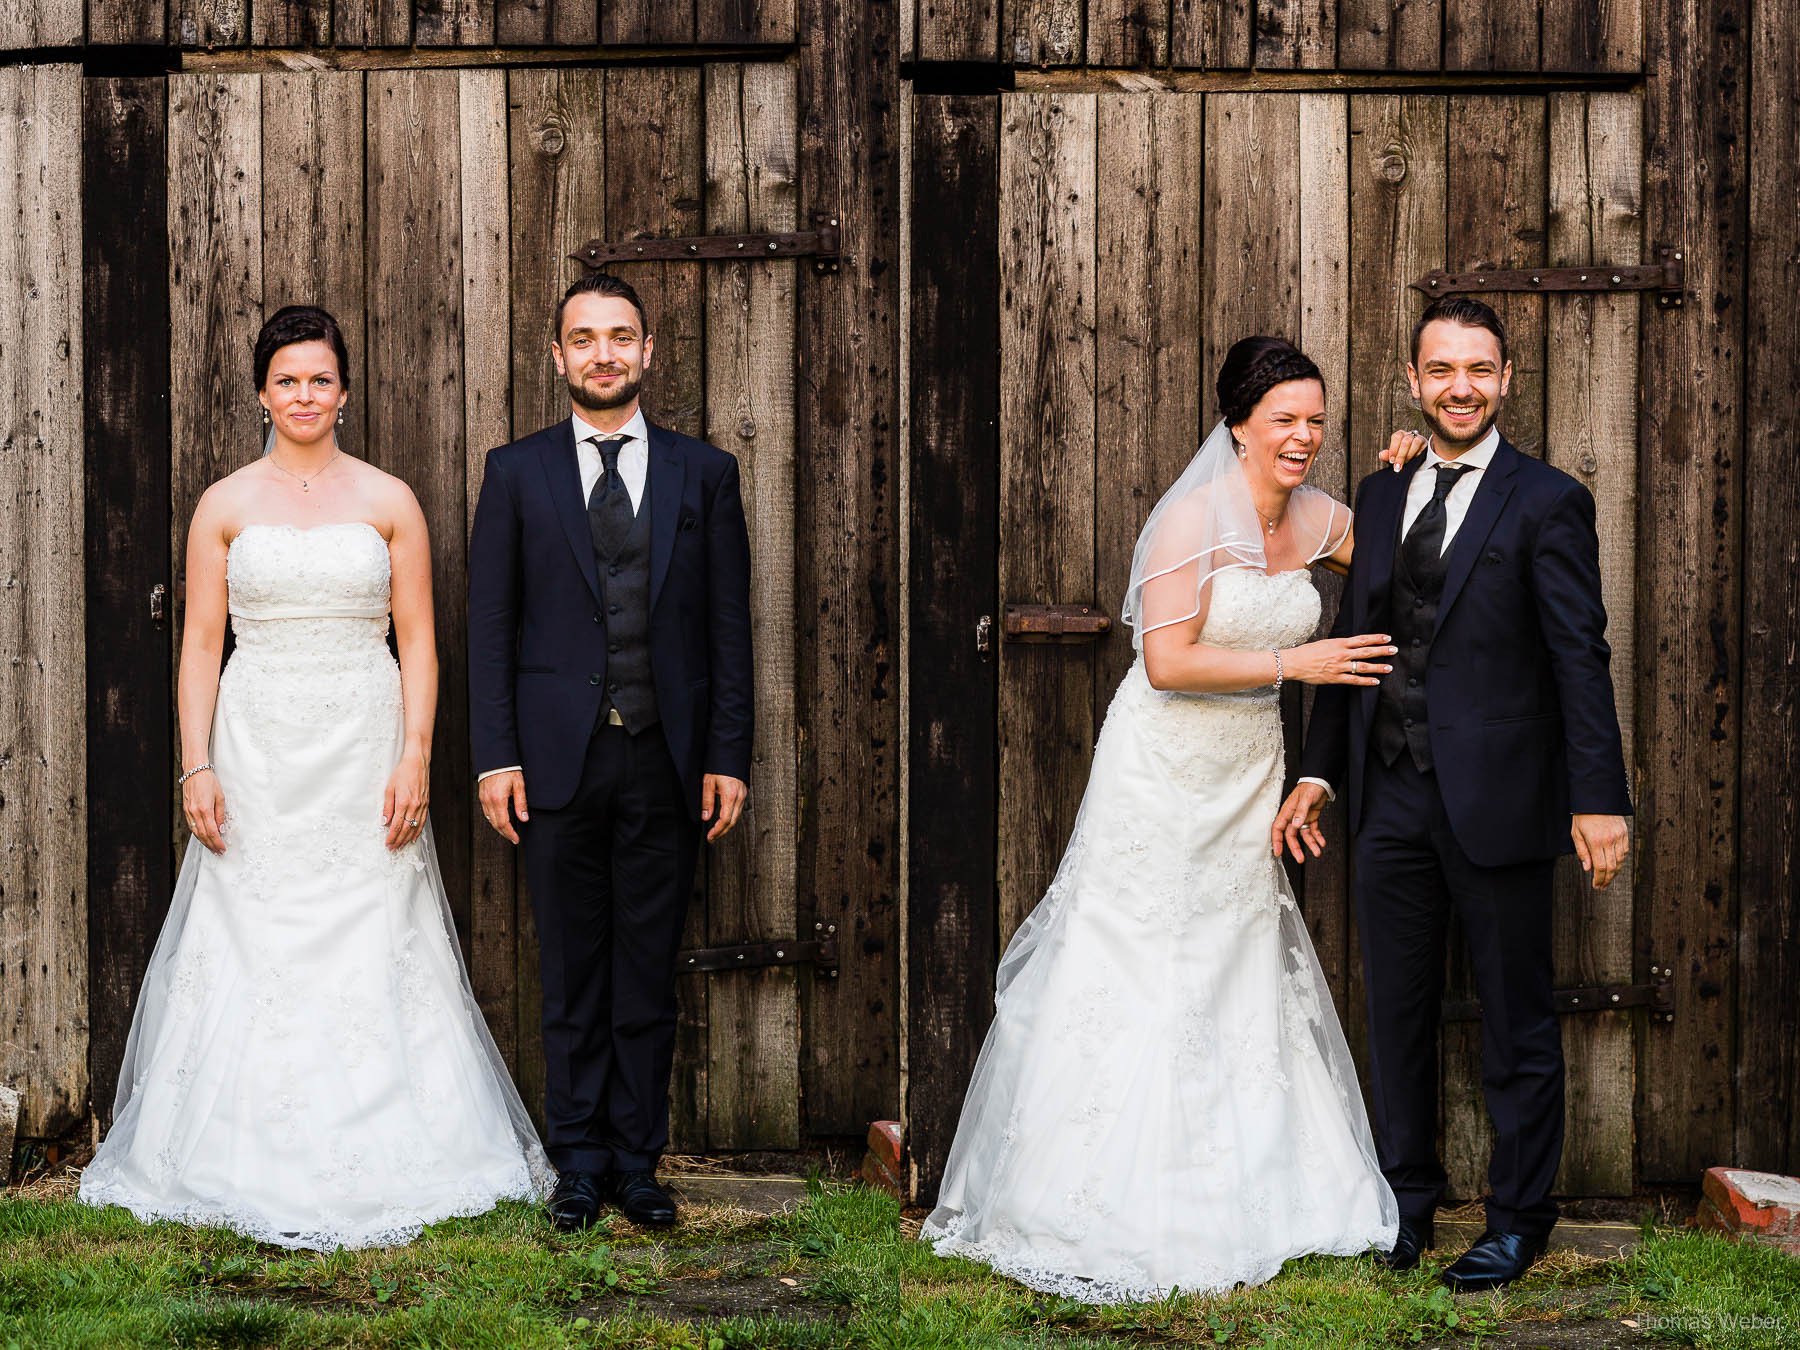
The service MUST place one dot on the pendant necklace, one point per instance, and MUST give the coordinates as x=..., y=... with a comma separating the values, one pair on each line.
x=306, y=482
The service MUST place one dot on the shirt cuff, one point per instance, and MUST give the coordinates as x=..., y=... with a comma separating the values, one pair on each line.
x=1330, y=796
x=516, y=768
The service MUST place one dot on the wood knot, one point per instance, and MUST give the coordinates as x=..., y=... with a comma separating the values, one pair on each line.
x=1392, y=166
x=551, y=140
x=747, y=428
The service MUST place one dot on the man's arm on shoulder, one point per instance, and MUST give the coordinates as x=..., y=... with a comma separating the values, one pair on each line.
x=1565, y=569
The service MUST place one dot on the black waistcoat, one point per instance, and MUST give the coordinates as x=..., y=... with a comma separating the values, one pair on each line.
x=623, y=553
x=1401, y=720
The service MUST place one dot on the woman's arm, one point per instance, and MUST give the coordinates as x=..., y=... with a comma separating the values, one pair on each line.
x=409, y=552
x=197, y=681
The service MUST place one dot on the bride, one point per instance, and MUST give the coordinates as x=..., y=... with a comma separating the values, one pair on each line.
x=307, y=1064
x=1165, y=1099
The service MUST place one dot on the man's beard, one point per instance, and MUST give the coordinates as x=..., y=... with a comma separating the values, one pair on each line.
x=1443, y=433
x=618, y=398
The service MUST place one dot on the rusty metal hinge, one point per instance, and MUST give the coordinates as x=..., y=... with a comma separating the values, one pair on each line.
x=822, y=953
x=819, y=243
x=1667, y=278
x=1658, y=996
x=1054, y=623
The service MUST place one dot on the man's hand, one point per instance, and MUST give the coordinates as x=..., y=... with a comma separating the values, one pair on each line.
x=722, y=802
x=1602, y=843
x=502, y=795
x=1298, y=821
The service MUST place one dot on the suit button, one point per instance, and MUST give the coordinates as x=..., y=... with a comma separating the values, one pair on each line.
x=596, y=618
x=1417, y=604
x=612, y=609
x=593, y=679
x=613, y=571
x=612, y=649
x=1409, y=721
x=1416, y=642
x=1412, y=684
x=612, y=688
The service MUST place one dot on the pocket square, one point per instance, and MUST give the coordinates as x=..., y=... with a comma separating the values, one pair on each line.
x=1495, y=556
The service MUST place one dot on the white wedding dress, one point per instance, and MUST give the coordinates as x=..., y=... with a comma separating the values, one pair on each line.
x=1165, y=1099
x=307, y=1064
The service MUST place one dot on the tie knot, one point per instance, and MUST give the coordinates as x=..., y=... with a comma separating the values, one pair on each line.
x=609, y=449
x=1447, y=474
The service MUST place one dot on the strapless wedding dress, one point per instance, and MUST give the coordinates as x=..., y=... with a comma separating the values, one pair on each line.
x=307, y=1064
x=1165, y=1099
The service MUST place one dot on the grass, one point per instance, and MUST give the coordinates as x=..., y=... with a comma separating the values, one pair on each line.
x=843, y=1271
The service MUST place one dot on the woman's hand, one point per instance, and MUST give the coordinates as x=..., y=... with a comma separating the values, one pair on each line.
x=1351, y=660
x=1402, y=448
x=407, y=798
x=204, y=806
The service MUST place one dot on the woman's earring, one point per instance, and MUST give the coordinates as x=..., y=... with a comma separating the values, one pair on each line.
x=340, y=417
x=265, y=417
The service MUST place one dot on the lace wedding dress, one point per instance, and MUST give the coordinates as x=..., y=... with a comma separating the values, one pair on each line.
x=307, y=1064
x=1165, y=1099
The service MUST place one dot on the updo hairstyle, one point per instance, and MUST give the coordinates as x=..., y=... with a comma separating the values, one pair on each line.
x=1255, y=365
x=299, y=323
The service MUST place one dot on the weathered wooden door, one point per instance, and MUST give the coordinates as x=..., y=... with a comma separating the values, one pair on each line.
x=434, y=212
x=1138, y=236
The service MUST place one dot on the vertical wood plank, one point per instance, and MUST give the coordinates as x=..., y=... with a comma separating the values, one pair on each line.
x=286, y=23
x=1324, y=244
x=1768, y=1069
x=215, y=300
x=1595, y=215
x=1048, y=193
x=43, y=766
x=653, y=188
x=576, y=23
x=368, y=23
x=125, y=346
x=741, y=22
x=1690, y=466
x=753, y=1079
x=955, y=409
x=1127, y=32
x=1252, y=265
x=1482, y=35
x=1398, y=232
x=523, y=23
x=558, y=202
x=1211, y=34
x=1148, y=335
x=453, y=23
x=646, y=23
x=1043, y=32
x=1593, y=35
x=487, y=422
x=958, y=30
x=26, y=24
x=312, y=213
x=846, y=417
x=1296, y=34
x=127, y=22
x=209, y=23
x=415, y=413
x=1389, y=34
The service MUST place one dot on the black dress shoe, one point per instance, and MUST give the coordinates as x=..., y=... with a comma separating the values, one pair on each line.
x=1495, y=1259
x=1414, y=1237
x=575, y=1203
x=641, y=1200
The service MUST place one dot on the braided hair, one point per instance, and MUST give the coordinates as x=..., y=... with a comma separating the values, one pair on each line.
x=1255, y=365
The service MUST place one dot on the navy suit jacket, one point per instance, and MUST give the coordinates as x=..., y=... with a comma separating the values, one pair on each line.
x=1522, y=723
x=537, y=625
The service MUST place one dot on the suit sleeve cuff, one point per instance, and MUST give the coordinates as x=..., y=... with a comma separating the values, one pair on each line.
x=1330, y=796
x=517, y=768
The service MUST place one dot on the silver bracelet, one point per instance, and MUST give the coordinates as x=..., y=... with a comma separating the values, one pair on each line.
x=198, y=768
x=1277, y=670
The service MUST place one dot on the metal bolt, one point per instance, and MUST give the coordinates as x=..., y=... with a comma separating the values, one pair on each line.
x=779, y=953
x=832, y=929
x=834, y=221
x=818, y=928
x=693, y=248
x=740, y=956
x=690, y=960
x=1615, y=998
x=1584, y=276
x=834, y=976
x=593, y=253
x=1677, y=259
x=1616, y=280
x=1537, y=281
x=1575, y=1000
x=640, y=248
x=1434, y=281
x=773, y=246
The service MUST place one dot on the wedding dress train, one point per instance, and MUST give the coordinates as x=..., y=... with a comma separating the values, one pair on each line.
x=1165, y=1099
x=307, y=1064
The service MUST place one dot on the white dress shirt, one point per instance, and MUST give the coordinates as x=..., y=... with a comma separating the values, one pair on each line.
x=634, y=468
x=634, y=456
x=1456, y=505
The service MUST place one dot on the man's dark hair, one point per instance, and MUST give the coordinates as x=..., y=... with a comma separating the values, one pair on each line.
x=1460, y=309
x=293, y=324
x=600, y=283
x=1252, y=367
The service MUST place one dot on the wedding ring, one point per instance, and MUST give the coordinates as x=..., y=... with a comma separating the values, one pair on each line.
x=1356, y=667
x=411, y=821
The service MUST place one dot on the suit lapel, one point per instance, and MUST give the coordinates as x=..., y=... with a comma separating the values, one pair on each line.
x=1490, y=497
x=562, y=473
x=1383, y=534
x=667, y=472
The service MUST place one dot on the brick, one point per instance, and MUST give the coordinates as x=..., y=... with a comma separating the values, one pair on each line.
x=1763, y=1206
x=876, y=1173
x=885, y=1143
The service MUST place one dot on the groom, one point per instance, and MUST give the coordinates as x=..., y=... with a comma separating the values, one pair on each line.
x=609, y=674
x=1489, y=747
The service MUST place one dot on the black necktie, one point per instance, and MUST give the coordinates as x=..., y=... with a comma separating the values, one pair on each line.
x=609, y=506
x=609, y=447
x=1424, y=542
